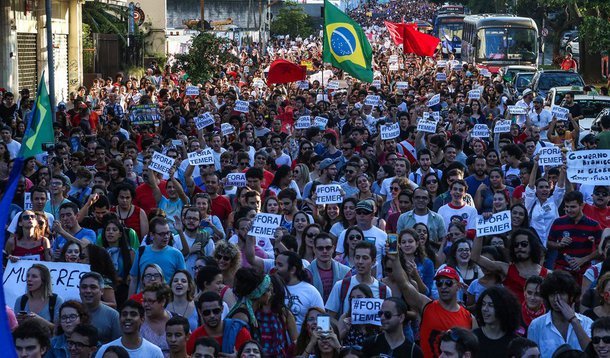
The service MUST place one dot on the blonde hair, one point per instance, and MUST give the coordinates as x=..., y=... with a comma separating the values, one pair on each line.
x=45, y=276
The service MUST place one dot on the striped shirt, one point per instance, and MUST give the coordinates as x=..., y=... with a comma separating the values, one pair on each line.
x=580, y=232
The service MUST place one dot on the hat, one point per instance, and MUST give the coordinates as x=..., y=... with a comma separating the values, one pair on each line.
x=448, y=272
x=365, y=205
x=327, y=163
x=589, y=138
x=526, y=92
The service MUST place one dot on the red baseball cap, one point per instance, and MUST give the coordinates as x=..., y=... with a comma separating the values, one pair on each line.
x=448, y=272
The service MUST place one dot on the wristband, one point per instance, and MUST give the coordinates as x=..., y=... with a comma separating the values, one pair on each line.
x=571, y=319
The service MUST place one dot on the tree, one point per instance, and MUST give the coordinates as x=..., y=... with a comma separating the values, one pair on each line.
x=207, y=54
x=292, y=20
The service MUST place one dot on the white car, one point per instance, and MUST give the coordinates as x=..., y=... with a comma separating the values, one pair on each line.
x=573, y=47
x=556, y=94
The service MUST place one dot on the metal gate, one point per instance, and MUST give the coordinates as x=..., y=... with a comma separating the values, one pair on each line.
x=60, y=60
x=27, y=61
x=107, y=54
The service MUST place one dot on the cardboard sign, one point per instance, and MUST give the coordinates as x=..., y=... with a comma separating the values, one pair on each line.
x=390, y=131
x=27, y=201
x=145, y=114
x=436, y=115
x=589, y=167
x=242, y=106
x=192, y=91
x=136, y=97
x=226, y=129
x=333, y=85
x=204, y=120
x=434, y=100
x=474, y=94
x=496, y=224
x=402, y=85
x=328, y=194
x=376, y=84
x=485, y=72
x=264, y=225
x=502, y=126
x=393, y=67
x=441, y=63
x=303, y=122
x=517, y=110
x=364, y=311
x=441, y=76
x=201, y=157
x=427, y=126
x=393, y=59
x=561, y=113
x=320, y=122
x=303, y=85
x=236, y=179
x=456, y=66
x=480, y=131
x=161, y=163
x=371, y=100
x=550, y=156
x=65, y=278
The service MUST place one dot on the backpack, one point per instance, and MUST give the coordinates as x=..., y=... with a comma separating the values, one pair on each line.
x=345, y=283
x=52, y=301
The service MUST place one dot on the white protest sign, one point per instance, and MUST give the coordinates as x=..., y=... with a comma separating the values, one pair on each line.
x=550, y=156
x=204, y=120
x=328, y=194
x=303, y=85
x=402, y=85
x=393, y=59
x=560, y=113
x=393, y=67
x=320, y=122
x=303, y=122
x=376, y=84
x=496, y=224
x=390, y=131
x=27, y=201
x=333, y=85
x=192, y=91
x=474, y=94
x=589, y=167
x=259, y=83
x=517, y=110
x=436, y=115
x=372, y=100
x=264, y=225
x=456, y=66
x=236, y=179
x=427, y=126
x=136, y=97
x=480, y=131
x=201, y=157
x=441, y=63
x=502, y=126
x=65, y=278
x=441, y=76
x=242, y=106
x=434, y=100
x=227, y=128
x=161, y=163
x=364, y=311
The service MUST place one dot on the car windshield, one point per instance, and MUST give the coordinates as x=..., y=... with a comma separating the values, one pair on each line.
x=549, y=80
x=501, y=44
x=592, y=107
x=523, y=81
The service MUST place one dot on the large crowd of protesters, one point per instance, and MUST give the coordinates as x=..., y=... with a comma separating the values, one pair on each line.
x=174, y=272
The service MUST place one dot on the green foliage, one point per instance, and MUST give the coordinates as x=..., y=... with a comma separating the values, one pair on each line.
x=88, y=54
x=137, y=72
x=596, y=32
x=107, y=18
x=292, y=20
x=205, y=57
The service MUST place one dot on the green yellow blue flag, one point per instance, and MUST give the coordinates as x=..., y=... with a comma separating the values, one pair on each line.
x=40, y=130
x=345, y=44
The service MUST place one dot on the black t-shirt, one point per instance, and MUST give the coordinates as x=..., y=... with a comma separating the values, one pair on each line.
x=493, y=347
x=377, y=345
x=7, y=113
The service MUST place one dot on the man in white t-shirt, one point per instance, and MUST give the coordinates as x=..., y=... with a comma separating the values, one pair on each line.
x=300, y=295
x=338, y=301
x=457, y=207
x=402, y=167
x=364, y=220
x=132, y=318
x=539, y=117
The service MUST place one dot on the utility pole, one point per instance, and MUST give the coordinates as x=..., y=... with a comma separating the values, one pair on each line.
x=202, y=9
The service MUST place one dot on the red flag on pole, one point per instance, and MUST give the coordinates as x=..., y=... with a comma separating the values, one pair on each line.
x=412, y=40
x=282, y=71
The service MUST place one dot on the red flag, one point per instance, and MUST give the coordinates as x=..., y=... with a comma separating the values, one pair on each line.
x=396, y=32
x=419, y=43
x=282, y=71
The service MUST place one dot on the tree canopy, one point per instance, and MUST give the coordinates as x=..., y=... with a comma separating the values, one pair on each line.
x=292, y=20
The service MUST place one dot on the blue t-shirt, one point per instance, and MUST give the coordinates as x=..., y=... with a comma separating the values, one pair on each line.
x=169, y=259
x=88, y=234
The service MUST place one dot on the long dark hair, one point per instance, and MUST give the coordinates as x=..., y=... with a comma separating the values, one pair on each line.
x=111, y=218
x=505, y=305
x=100, y=262
x=281, y=172
x=344, y=221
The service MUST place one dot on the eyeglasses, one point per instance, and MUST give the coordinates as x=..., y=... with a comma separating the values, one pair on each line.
x=312, y=234
x=522, y=244
x=346, y=148
x=350, y=171
x=433, y=181
x=77, y=345
x=600, y=193
x=362, y=212
x=324, y=248
x=354, y=237
x=28, y=217
x=150, y=276
x=212, y=311
x=386, y=314
x=69, y=318
x=243, y=164
x=395, y=188
x=444, y=282
x=463, y=250
x=599, y=339
x=223, y=257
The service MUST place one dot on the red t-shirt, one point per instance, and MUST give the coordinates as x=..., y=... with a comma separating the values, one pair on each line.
x=602, y=216
x=326, y=276
x=242, y=337
x=145, y=198
x=221, y=207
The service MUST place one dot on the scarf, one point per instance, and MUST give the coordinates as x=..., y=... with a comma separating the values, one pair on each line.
x=247, y=300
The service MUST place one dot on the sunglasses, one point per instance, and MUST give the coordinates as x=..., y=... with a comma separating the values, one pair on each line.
x=212, y=311
x=601, y=193
x=386, y=314
x=395, y=188
x=354, y=237
x=223, y=257
x=362, y=212
x=311, y=234
x=522, y=244
x=324, y=248
x=598, y=339
x=447, y=282
x=28, y=217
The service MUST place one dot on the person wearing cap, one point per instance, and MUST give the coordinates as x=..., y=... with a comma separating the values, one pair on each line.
x=599, y=211
x=539, y=117
x=328, y=173
x=437, y=316
x=558, y=130
x=527, y=102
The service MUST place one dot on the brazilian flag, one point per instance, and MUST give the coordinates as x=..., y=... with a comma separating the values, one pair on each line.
x=345, y=45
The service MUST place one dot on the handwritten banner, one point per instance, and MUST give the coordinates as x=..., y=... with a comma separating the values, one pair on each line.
x=328, y=194
x=390, y=131
x=550, y=156
x=264, y=225
x=496, y=224
x=589, y=167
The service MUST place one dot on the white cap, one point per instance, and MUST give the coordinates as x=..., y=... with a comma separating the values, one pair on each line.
x=526, y=92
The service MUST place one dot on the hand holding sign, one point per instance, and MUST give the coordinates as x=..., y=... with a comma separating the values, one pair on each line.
x=242, y=106
x=390, y=131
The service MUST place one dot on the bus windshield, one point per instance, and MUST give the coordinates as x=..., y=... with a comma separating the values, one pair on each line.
x=451, y=31
x=507, y=44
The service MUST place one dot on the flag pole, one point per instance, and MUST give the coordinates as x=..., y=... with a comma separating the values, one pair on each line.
x=51, y=62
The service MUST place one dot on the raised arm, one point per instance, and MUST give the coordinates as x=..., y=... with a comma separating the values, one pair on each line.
x=251, y=255
x=491, y=265
x=532, y=182
x=412, y=296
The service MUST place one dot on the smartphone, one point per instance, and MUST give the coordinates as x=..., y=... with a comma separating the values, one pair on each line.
x=393, y=243
x=323, y=322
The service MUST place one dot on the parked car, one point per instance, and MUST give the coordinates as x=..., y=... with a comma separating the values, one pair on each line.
x=591, y=107
x=567, y=37
x=543, y=81
x=573, y=47
x=509, y=72
x=556, y=94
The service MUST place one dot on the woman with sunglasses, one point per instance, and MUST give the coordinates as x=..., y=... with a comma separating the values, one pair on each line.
x=354, y=334
x=353, y=236
x=228, y=257
x=393, y=206
x=432, y=184
x=306, y=250
x=347, y=217
x=28, y=239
